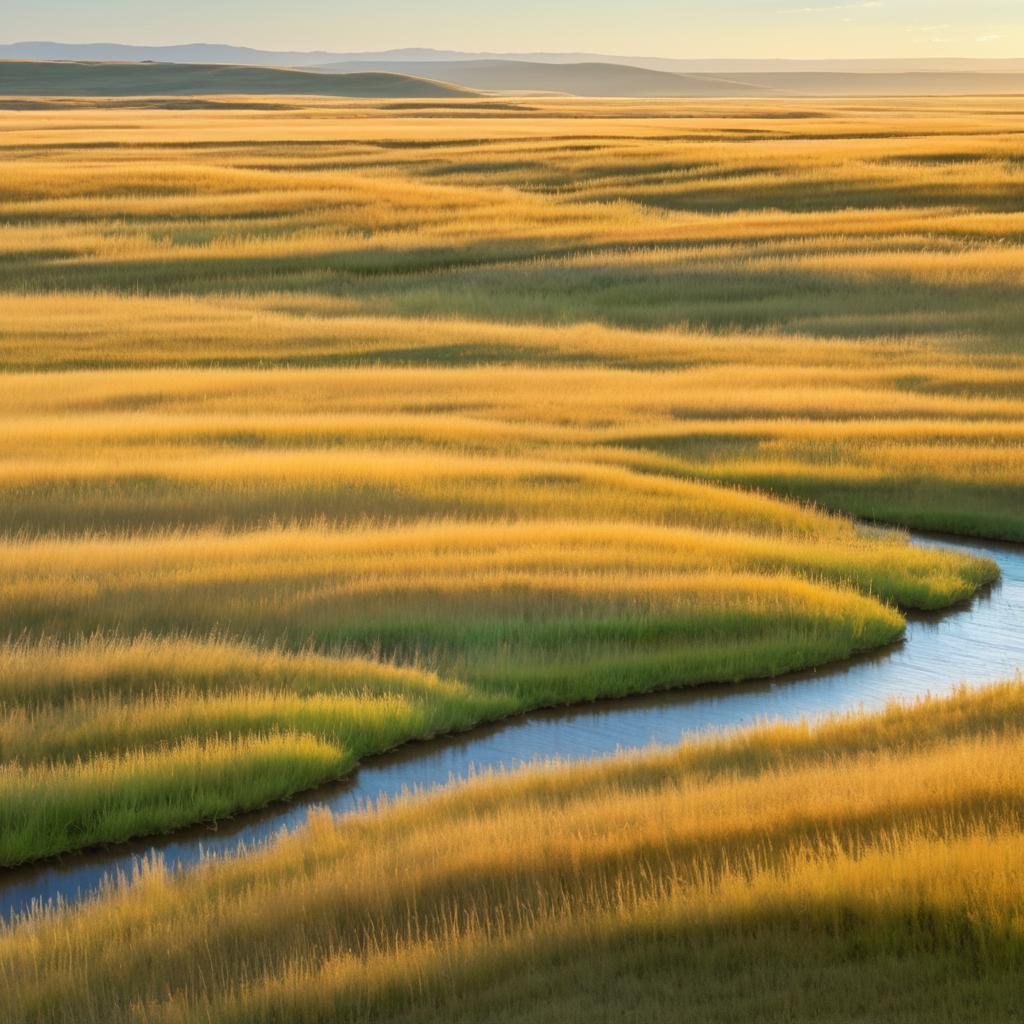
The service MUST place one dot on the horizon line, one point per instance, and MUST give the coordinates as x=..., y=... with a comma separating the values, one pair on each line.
x=501, y=53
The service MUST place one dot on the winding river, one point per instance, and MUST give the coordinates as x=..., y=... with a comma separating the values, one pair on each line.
x=975, y=643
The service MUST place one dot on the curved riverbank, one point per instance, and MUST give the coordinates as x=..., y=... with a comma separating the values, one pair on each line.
x=976, y=642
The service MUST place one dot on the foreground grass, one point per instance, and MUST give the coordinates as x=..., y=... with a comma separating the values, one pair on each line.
x=776, y=873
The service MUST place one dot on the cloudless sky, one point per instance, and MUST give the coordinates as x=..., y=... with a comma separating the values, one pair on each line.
x=669, y=28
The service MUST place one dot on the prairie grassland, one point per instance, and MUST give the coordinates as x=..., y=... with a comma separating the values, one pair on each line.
x=510, y=399
x=828, y=264
x=871, y=433
x=777, y=874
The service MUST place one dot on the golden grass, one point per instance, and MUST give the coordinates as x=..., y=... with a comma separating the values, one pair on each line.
x=331, y=425
x=514, y=397
x=497, y=618
x=777, y=872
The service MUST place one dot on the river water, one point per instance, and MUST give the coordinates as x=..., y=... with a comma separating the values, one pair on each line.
x=978, y=642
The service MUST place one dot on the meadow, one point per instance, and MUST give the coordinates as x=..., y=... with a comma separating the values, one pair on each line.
x=331, y=425
x=775, y=874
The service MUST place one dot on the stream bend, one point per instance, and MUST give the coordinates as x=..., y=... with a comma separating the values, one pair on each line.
x=977, y=642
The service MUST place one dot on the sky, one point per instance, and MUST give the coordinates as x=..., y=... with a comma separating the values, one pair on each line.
x=664, y=28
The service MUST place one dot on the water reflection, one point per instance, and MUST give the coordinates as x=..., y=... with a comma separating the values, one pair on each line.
x=979, y=642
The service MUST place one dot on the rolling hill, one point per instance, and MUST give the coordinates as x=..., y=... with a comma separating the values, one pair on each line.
x=594, y=78
x=77, y=78
x=589, y=78
x=57, y=69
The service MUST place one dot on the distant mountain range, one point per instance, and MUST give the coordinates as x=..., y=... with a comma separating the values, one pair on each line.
x=462, y=79
x=590, y=78
x=101, y=69
x=208, y=53
x=595, y=78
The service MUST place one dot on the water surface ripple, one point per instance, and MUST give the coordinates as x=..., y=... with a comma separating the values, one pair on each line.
x=975, y=643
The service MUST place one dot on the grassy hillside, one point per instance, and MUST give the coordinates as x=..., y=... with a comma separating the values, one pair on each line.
x=362, y=425
x=80, y=78
x=778, y=874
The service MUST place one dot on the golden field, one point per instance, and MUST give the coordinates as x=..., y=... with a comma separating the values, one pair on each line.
x=803, y=298
x=331, y=425
x=776, y=874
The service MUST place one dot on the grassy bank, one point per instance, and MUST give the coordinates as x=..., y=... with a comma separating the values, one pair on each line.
x=777, y=873
x=103, y=739
x=106, y=739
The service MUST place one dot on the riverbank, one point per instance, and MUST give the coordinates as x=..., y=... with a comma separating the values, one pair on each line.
x=785, y=850
x=973, y=643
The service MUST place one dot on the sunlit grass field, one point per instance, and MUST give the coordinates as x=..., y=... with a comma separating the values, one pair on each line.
x=778, y=874
x=329, y=425
x=504, y=405
x=819, y=300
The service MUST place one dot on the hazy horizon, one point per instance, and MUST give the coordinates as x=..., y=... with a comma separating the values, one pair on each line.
x=780, y=29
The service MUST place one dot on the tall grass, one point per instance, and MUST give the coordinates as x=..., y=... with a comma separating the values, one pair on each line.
x=333, y=425
x=778, y=873
x=107, y=739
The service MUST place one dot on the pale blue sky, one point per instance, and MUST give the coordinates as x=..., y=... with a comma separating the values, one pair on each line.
x=670, y=28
